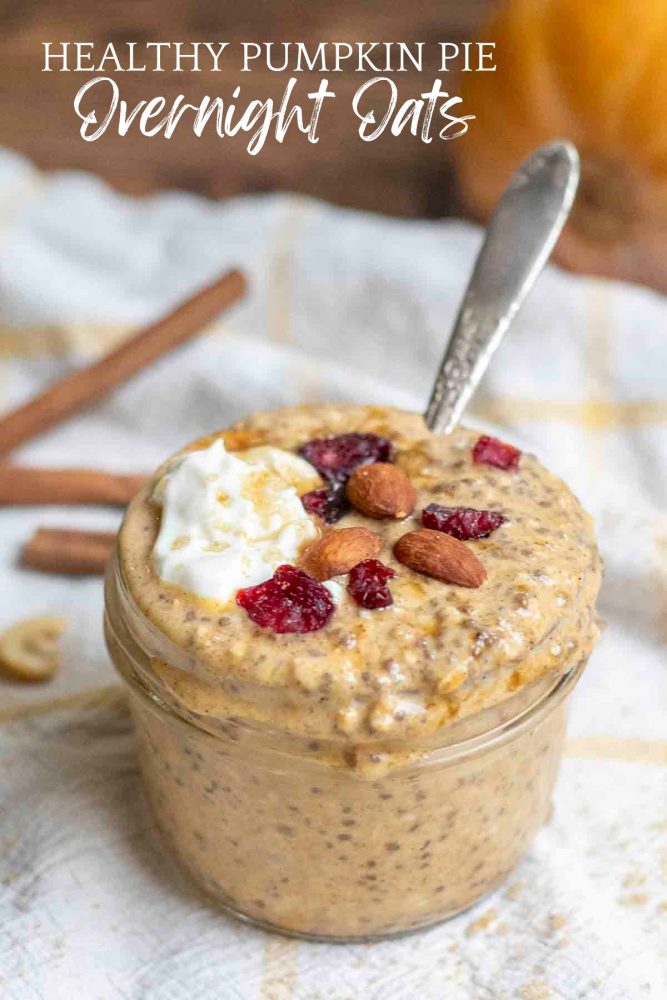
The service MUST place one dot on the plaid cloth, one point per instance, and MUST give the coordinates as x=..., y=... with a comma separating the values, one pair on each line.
x=344, y=306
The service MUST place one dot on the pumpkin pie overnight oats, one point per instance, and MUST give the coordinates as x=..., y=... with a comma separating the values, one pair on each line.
x=349, y=643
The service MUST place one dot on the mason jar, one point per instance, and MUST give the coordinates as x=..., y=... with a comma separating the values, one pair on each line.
x=325, y=839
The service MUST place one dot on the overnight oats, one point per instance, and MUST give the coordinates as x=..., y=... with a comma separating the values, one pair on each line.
x=349, y=644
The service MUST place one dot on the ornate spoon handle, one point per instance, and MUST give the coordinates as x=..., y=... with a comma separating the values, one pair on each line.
x=519, y=240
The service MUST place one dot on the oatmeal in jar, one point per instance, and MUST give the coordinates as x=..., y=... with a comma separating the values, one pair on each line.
x=349, y=643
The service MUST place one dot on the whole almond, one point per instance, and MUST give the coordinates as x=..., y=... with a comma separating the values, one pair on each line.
x=339, y=551
x=381, y=490
x=440, y=556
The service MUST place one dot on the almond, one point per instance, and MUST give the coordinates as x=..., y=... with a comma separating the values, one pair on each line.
x=381, y=490
x=440, y=556
x=339, y=551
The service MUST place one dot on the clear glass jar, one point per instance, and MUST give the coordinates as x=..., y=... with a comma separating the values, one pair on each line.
x=296, y=836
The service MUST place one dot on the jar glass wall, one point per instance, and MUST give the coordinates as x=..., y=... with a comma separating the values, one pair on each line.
x=297, y=835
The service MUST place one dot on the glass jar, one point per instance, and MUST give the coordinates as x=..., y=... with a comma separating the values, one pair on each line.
x=325, y=840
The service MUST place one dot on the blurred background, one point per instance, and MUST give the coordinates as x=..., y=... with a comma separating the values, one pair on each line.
x=402, y=176
x=595, y=73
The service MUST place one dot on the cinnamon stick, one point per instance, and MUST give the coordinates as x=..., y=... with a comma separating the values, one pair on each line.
x=68, y=551
x=87, y=385
x=22, y=485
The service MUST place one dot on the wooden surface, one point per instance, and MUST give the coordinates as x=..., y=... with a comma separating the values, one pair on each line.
x=397, y=175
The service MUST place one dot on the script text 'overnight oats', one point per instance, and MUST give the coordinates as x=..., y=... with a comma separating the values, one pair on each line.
x=349, y=644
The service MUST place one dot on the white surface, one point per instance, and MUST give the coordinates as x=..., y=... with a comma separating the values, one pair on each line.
x=344, y=306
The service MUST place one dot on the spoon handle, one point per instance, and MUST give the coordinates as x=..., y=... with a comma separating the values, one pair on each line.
x=519, y=239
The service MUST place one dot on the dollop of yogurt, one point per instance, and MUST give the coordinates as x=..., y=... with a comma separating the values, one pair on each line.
x=230, y=519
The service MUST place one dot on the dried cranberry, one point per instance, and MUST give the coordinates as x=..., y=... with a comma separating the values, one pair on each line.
x=291, y=601
x=463, y=523
x=315, y=502
x=491, y=451
x=329, y=502
x=338, y=456
x=367, y=584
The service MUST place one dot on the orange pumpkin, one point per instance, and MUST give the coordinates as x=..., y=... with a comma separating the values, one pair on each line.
x=594, y=71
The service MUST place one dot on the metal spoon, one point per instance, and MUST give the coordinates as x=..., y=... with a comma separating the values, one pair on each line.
x=519, y=240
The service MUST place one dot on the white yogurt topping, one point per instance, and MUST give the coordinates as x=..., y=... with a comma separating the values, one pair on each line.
x=230, y=519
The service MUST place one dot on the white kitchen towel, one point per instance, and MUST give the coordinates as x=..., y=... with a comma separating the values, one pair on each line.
x=344, y=306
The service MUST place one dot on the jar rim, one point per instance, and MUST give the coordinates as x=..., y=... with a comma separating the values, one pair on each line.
x=424, y=755
x=547, y=691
